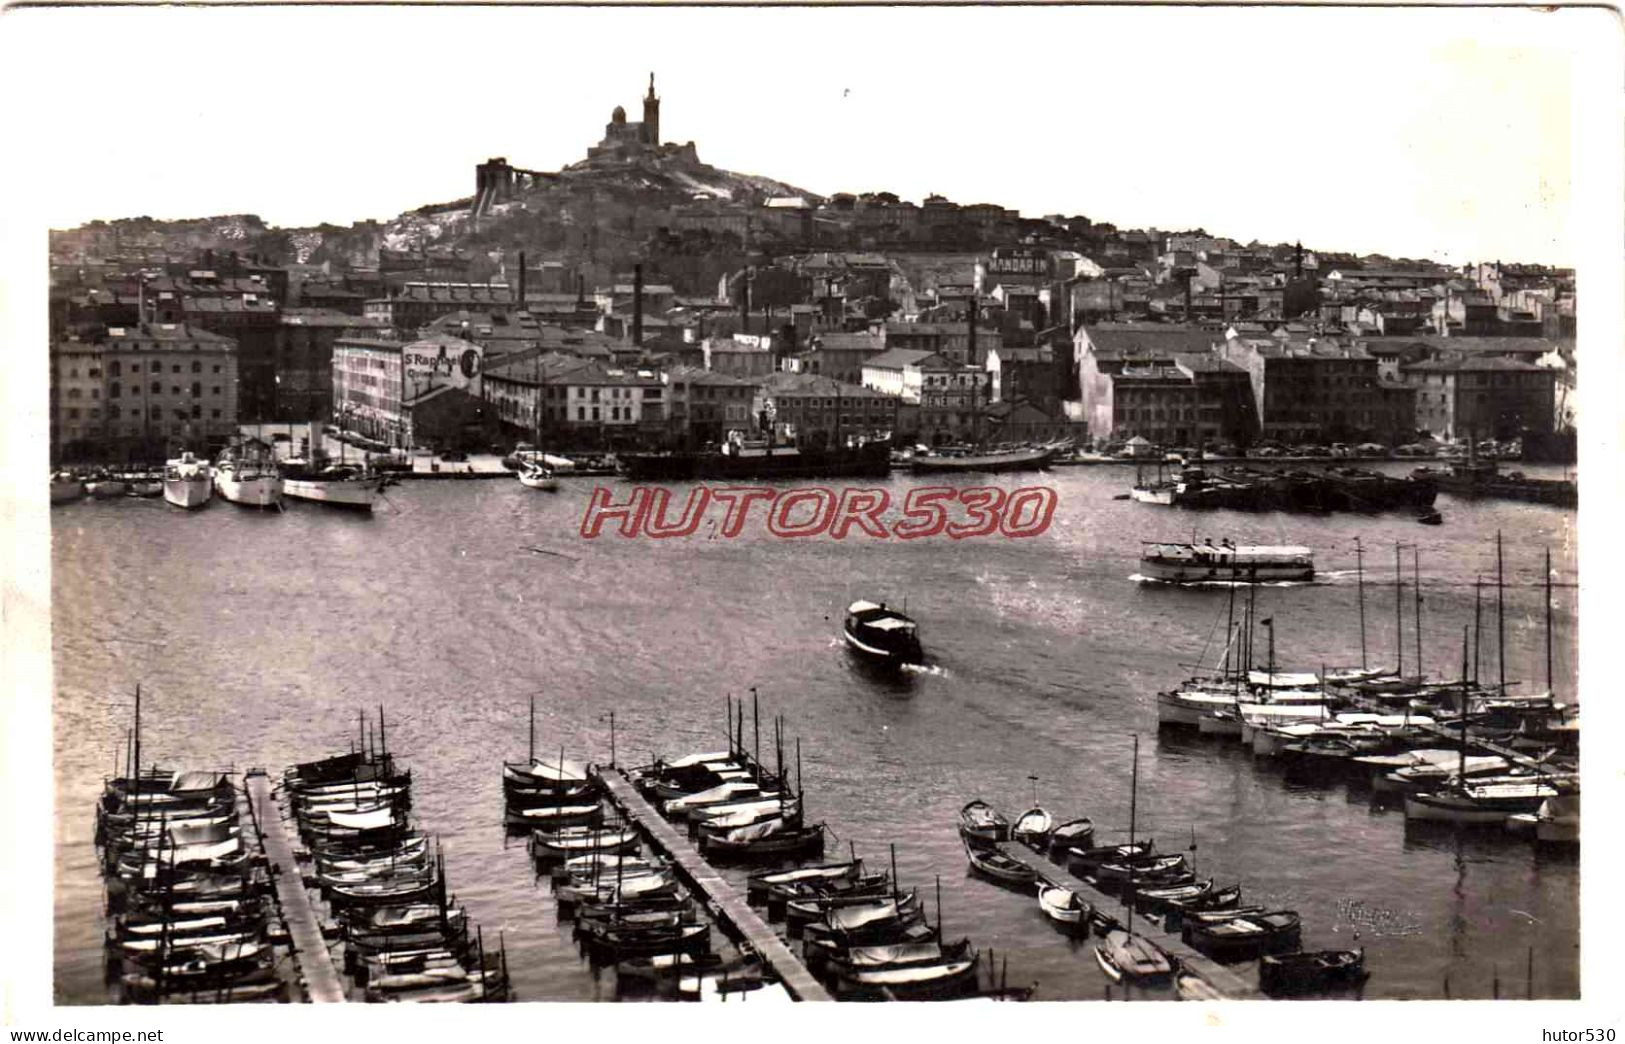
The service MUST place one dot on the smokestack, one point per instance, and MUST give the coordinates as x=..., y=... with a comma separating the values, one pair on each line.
x=521, y=279
x=1189, y=278
x=970, y=319
x=1297, y=261
x=745, y=300
x=581, y=289
x=637, y=306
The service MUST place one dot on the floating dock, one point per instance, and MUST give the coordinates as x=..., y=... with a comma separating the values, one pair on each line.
x=734, y=914
x=1227, y=982
x=321, y=979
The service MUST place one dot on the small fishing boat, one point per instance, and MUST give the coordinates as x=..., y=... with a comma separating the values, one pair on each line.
x=995, y=865
x=1132, y=957
x=771, y=838
x=1033, y=828
x=537, y=476
x=1148, y=868
x=1075, y=833
x=1065, y=908
x=1086, y=860
x=1244, y=937
x=759, y=885
x=548, y=817
x=1315, y=972
x=941, y=979
x=547, y=846
x=981, y=823
x=1156, y=897
x=881, y=635
x=1470, y=803
x=104, y=485
x=144, y=483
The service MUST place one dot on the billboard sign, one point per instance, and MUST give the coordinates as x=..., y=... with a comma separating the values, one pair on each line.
x=443, y=362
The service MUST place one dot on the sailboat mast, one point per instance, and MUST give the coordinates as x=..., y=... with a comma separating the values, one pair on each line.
x=1500, y=612
x=1133, y=808
x=1551, y=694
x=137, y=776
x=1359, y=581
x=1461, y=771
x=1230, y=619
x=1478, y=625
x=1416, y=575
x=1399, y=614
x=532, y=754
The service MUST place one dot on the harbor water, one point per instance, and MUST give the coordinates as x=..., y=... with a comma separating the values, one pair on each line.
x=257, y=638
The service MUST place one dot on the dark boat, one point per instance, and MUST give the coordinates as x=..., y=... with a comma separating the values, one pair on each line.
x=771, y=838
x=882, y=635
x=1321, y=970
x=995, y=865
x=1075, y=833
x=747, y=458
x=980, y=823
x=1246, y=936
x=1086, y=860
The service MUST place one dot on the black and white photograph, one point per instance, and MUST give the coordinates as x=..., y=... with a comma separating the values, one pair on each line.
x=783, y=504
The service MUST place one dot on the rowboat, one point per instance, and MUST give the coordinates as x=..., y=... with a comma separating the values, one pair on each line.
x=1192, y=987
x=944, y=978
x=759, y=885
x=982, y=823
x=551, y=816
x=1165, y=870
x=995, y=865
x=1075, y=833
x=1065, y=908
x=1085, y=860
x=546, y=846
x=1033, y=828
x=773, y=837
x=1295, y=973
x=1244, y=937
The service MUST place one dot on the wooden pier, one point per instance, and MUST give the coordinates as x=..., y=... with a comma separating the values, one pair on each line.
x=1227, y=982
x=733, y=913
x=321, y=979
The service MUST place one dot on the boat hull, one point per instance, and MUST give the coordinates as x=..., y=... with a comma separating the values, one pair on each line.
x=352, y=494
x=261, y=491
x=1024, y=460
x=190, y=492
x=63, y=491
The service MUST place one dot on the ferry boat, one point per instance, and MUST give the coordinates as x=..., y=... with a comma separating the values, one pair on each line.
x=748, y=457
x=187, y=483
x=996, y=459
x=1225, y=562
x=882, y=635
x=248, y=478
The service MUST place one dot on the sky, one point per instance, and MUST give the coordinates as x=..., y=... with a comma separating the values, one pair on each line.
x=1444, y=133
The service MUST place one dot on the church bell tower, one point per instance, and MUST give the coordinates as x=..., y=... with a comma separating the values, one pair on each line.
x=651, y=115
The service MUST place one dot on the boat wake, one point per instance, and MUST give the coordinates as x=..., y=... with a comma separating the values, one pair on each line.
x=935, y=670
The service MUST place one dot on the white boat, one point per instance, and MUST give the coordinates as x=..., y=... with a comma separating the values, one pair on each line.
x=538, y=477
x=1478, y=802
x=338, y=485
x=1017, y=458
x=65, y=487
x=187, y=483
x=1223, y=562
x=1187, y=706
x=1064, y=907
x=1558, y=821
x=248, y=481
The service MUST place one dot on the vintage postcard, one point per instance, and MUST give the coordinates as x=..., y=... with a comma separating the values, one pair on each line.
x=752, y=505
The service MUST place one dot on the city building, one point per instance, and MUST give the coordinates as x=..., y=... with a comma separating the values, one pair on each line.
x=817, y=411
x=304, y=359
x=143, y=392
x=425, y=392
x=417, y=304
x=1484, y=396
x=703, y=405
x=1318, y=391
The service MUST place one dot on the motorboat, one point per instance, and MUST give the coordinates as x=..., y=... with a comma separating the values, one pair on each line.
x=187, y=483
x=1225, y=562
x=248, y=478
x=981, y=823
x=882, y=635
x=538, y=476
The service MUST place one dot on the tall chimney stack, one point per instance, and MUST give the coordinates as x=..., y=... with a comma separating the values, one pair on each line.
x=521, y=280
x=970, y=319
x=1190, y=277
x=637, y=306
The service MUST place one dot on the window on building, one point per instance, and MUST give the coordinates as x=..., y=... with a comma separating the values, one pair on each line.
x=197, y=411
x=197, y=367
x=197, y=388
x=177, y=368
x=95, y=393
x=215, y=414
x=95, y=413
x=216, y=368
x=93, y=372
x=215, y=390
x=157, y=387
x=73, y=413
x=113, y=368
x=112, y=413
x=73, y=393
x=595, y=414
x=581, y=413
